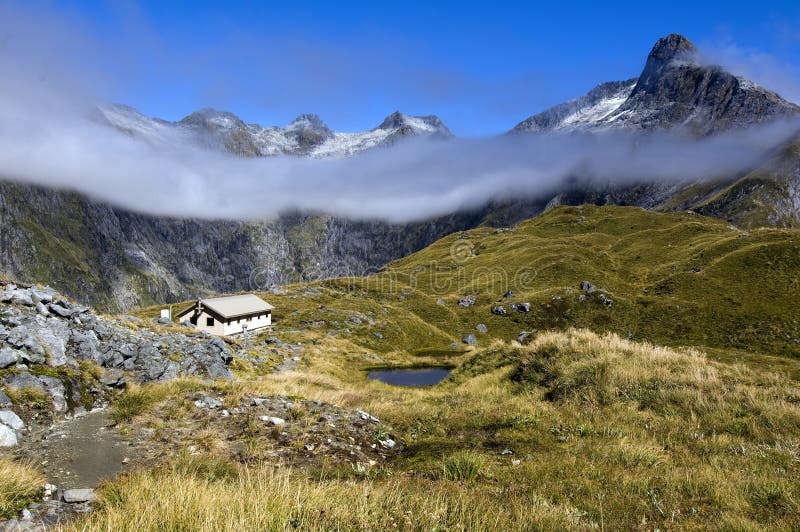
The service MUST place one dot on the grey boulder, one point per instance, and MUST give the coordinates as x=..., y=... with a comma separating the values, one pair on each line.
x=10, y=419
x=8, y=438
x=8, y=357
x=78, y=495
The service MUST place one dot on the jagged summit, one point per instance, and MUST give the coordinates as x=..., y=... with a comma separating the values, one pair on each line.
x=673, y=46
x=431, y=124
x=309, y=121
x=212, y=117
x=674, y=90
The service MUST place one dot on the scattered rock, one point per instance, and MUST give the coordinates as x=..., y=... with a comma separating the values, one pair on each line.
x=469, y=339
x=378, y=335
x=521, y=307
x=367, y=417
x=507, y=452
x=61, y=311
x=388, y=443
x=4, y=399
x=78, y=495
x=481, y=328
x=208, y=402
x=42, y=296
x=607, y=301
x=508, y=294
x=113, y=378
x=22, y=297
x=467, y=301
x=499, y=310
x=272, y=420
x=588, y=287
x=440, y=301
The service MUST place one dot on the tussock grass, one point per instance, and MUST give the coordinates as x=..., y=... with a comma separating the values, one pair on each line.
x=605, y=433
x=20, y=485
x=465, y=465
x=262, y=498
x=138, y=400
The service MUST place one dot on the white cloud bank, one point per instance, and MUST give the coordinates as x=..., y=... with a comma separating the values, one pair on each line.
x=47, y=137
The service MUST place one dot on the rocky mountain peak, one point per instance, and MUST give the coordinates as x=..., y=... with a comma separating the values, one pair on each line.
x=406, y=124
x=671, y=51
x=213, y=119
x=393, y=121
x=669, y=48
x=674, y=90
x=308, y=121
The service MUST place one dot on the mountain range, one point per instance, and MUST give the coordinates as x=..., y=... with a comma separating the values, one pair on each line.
x=115, y=259
x=306, y=135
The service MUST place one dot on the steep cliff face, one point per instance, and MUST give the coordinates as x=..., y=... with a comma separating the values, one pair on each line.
x=116, y=260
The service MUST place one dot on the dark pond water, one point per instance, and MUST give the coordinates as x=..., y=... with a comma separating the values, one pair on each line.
x=410, y=377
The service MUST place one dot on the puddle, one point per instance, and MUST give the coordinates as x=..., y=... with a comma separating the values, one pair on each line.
x=410, y=377
x=81, y=452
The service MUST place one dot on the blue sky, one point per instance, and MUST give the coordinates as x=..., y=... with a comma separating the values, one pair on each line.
x=481, y=66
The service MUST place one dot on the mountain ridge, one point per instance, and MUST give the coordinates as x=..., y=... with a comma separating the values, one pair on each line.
x=306, y=135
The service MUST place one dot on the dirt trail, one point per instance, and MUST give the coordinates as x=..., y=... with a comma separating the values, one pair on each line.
x=80, y=452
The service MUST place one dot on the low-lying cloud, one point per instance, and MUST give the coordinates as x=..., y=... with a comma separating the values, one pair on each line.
x=49, y=135
x=417, y=179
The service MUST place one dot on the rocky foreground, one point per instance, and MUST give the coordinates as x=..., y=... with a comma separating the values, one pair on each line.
x=64, y=359
x=61, y=364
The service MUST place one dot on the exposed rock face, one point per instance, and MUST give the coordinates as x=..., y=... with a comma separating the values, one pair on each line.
x=115, y=260
x=142, y=354
x=673, y=90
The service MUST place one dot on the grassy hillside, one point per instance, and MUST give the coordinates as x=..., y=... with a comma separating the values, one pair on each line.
x=674, y=279
x=694, y=423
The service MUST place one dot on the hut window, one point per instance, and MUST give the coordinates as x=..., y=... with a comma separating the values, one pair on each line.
x=210, y=322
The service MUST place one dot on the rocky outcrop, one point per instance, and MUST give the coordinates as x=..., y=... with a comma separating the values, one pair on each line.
x=50, y=338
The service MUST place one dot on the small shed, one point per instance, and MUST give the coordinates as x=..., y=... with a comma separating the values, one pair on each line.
x=228, y=315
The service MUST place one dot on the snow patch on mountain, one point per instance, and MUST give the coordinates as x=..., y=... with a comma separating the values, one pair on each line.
x=307, y=135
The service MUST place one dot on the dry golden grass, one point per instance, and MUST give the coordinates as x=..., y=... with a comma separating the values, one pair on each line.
x=606, y=433
x=19, y=485
x=265, y=499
